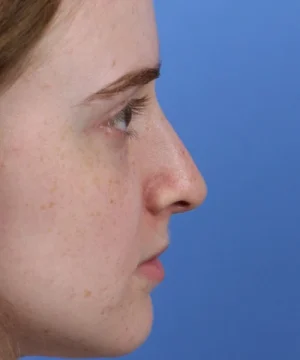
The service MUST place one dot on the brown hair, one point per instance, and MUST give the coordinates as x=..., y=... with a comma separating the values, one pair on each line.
x=22, y=24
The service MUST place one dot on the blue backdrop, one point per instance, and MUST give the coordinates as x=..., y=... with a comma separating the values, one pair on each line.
x=231, y=88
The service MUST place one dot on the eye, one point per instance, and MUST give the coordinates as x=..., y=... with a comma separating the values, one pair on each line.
x=124, y=118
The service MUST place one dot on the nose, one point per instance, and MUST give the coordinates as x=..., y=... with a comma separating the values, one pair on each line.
x=175, y=184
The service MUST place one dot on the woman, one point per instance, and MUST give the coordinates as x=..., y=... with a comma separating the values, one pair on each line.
x=91, y=172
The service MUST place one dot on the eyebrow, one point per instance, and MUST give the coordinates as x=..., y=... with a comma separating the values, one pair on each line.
x=134, y=78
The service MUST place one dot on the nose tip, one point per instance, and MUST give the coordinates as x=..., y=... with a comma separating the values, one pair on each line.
x=174, y=183
x=191, y=191
x=178, y=187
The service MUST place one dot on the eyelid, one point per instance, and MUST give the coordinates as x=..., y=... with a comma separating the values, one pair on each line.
x=99, y=121
x=137, y=105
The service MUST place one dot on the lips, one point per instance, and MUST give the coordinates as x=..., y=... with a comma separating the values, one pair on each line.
x=152, y=268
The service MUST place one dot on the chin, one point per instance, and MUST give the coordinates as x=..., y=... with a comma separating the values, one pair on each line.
x=129, y=336
x=123, y=332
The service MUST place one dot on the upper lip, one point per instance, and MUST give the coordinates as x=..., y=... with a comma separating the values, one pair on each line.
x=156, y=254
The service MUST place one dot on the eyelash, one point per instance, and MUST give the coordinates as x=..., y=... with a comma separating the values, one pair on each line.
x=134, y=108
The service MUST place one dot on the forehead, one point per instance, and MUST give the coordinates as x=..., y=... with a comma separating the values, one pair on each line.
x=98, y=41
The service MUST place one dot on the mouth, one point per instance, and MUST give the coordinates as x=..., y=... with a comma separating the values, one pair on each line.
x=152, y=268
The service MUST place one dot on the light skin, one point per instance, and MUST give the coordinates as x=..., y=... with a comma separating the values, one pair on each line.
x=86, y=189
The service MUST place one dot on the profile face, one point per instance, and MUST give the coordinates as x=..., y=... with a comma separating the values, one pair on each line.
x=91, y=172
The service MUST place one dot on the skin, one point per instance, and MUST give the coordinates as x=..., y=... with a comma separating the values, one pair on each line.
x=83, y=205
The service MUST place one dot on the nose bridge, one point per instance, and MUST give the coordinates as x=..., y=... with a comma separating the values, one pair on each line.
x=177, y=180
x=180, y=160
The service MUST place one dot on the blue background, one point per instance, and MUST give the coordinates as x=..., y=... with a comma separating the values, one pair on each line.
x=231, y=88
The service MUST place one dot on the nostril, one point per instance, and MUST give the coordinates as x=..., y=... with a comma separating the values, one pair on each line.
x=182, y=204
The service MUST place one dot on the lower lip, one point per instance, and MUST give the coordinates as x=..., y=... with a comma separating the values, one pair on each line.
x=153, y=270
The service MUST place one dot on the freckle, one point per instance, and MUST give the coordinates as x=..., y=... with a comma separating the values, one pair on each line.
x=80, y=231
x=82, y=189
x=112, y=201
x=182, y=150
x=87, y=293
x=114, y=63
x=98, y=213
x=48, y=206
x=63, y=136
x=46, y=86
x=54, y=188
x=72, y=295
x=89, y=163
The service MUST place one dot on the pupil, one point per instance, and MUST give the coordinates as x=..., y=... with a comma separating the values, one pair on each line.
x=128, y=115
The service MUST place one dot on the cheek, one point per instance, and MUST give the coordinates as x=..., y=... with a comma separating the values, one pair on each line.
x=64, y=218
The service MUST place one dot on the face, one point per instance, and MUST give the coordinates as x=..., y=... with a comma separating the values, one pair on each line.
x=91, y=172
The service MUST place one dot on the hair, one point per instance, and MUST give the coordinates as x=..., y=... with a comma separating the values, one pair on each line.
x=22, y=25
